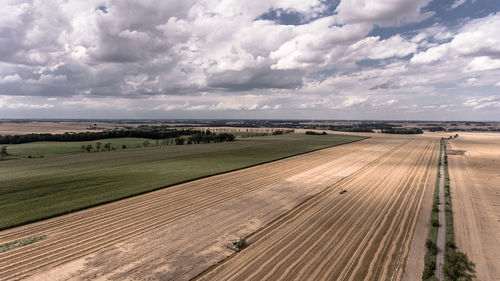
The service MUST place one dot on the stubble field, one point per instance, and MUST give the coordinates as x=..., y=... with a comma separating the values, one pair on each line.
x=37, y=127
x=364, y=234
x=177, y=233
x=475, y=179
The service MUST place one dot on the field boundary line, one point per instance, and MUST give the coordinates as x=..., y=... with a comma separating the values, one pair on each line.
x=440, y=243
x=361, y=138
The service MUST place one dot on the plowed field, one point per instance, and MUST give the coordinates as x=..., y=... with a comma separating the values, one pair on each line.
x=363, y=234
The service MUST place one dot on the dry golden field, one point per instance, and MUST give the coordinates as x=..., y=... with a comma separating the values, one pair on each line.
x=475, y=187
x=20, y=128
x=364, y=234
x=246, y=200
x=301, y=226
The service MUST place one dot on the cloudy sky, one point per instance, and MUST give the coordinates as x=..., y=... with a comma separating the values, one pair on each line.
x=290, y=59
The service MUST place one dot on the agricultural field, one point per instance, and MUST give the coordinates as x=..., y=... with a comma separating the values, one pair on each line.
x=474, y=165
x=34, y=189
x=250, y=140
x=57, y=148
x=178, y=232
x=364, y=234
x=38, y=127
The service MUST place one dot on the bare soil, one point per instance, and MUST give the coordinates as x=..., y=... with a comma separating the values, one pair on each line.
x=475, y=193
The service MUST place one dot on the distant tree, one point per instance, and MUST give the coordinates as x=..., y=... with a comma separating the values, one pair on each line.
x=429, y=270
x=107, y=146
x=88, y=147
x=315, y=133
x=145, y=143
x=224, y=137
x=124, y=146
x=450, y=245
x=82, y=147
x=3, y=150
x=179, y=141
x=458, y=267
x=431, y=246
x=98, y=146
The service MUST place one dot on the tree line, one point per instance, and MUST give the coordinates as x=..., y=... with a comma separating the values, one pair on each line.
x=200, y=137
x=282, y=132
x=352, y=129
x=403, y=131
x=150, y=132
x=207, y=137
x=315, y=133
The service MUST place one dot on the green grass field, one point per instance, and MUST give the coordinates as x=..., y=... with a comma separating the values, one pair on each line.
x=54, y=148
x=39, y=188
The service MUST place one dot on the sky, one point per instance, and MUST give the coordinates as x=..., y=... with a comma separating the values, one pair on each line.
x=259, y=59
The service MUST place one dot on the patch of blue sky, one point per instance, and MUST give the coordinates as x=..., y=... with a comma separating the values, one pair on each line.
x=444, y=15
x=292, y=17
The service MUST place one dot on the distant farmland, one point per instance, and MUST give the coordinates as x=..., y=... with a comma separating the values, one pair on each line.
x=46, y=148
x=34, y=189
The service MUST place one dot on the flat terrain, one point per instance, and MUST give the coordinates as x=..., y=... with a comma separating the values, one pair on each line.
x=475, y=193
x=363, y=234
x=57, y=148
x=37, y=127
x=177, y=232
x=33, y=189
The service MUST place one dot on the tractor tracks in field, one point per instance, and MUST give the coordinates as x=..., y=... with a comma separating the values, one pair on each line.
x=75, y=235
x=363, y=234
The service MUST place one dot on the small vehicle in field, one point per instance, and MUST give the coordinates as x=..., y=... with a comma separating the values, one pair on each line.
x=238, y=244
x=342, y=191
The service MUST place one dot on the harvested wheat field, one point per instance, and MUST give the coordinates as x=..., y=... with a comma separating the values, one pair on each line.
x=20, y=128
x=475, y=193
x=178, y=232
x=363, y=234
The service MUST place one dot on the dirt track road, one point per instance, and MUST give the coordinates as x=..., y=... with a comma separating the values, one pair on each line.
x=176, y=233
x=363, y=234
x=441, y=236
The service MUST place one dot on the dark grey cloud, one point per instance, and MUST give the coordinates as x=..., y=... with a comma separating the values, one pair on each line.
x=256, y=78
x=386, y=85
x=30, y=35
